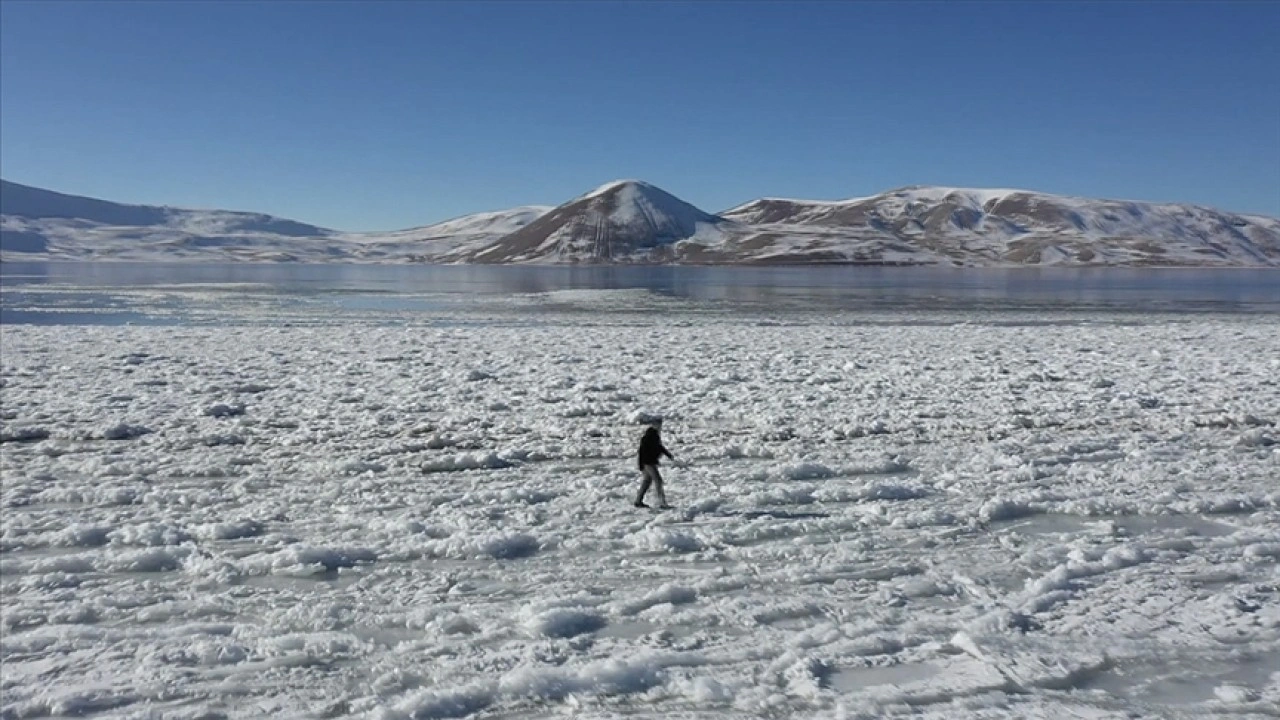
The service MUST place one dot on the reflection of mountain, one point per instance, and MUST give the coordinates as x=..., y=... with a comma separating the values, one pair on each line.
x=633, y=222
x=616, y=288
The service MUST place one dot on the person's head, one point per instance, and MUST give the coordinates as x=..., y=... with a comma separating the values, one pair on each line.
x=652, y=430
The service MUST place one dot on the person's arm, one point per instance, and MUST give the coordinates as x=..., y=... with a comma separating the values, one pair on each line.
x=666, y=452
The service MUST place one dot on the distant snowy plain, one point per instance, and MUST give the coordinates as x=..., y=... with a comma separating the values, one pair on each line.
x=393, y=514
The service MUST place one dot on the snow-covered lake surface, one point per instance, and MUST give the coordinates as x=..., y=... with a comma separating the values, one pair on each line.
x=415, y=503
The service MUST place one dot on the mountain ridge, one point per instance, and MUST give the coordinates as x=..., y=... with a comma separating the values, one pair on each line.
x=633, y=221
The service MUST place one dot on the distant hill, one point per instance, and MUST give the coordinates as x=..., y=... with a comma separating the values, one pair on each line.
x=630, y=221
x=35, y=203
x=42, y=222
x=448, y=241
x=627, y=220
x=1013, y=227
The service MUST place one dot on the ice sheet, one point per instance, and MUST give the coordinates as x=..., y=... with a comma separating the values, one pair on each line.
x=1001, y=518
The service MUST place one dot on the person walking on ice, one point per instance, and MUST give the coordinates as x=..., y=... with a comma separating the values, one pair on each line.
x=651, y=450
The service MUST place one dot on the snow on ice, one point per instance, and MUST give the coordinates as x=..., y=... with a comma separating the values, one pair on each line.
x=987, y=515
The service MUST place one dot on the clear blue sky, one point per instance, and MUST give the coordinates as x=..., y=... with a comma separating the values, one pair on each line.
x=382, y=115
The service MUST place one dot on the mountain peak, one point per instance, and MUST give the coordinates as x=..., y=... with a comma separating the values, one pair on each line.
x=620, y=220
x=614, y=186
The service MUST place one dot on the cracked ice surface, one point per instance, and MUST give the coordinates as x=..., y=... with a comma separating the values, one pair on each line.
x=992, y=515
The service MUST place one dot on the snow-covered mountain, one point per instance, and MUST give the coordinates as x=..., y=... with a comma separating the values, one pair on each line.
x=448, y=241
x=630, y=221
x=37, y=222
x=995, y=227
x=41, y=224
x=621, y=221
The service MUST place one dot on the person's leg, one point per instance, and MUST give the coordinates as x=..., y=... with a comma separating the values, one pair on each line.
x=644, y=485
x=657, y=488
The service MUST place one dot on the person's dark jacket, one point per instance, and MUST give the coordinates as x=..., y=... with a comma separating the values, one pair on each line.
x=651, y=448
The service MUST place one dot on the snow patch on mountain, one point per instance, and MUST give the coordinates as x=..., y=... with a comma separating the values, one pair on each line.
x=445, y=241
x=36, y=204
x=498, y=222
x=614, y=186
x=643, y=203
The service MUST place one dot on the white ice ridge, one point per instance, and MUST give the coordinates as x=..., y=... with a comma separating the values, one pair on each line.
x=999, y=515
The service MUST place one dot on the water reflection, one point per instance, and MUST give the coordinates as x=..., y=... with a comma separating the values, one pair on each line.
x=30, y=286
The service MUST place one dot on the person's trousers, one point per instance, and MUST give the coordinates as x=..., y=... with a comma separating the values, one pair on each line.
x=652, y=477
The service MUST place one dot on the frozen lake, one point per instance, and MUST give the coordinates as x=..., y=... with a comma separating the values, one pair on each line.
x=405, y=493
x=79, y=293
